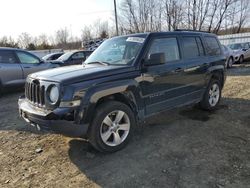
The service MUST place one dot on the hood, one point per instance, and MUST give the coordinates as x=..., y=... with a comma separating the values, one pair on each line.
x=78, y=73
x=238, y=52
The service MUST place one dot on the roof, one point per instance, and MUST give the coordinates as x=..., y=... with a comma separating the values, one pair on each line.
x=163, y=33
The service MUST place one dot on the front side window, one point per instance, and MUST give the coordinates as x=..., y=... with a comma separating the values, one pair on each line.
x=27, y=58
x=168, y=46
x=118, y=50
x=213, y=47
x=78, y=55
x=7, y=57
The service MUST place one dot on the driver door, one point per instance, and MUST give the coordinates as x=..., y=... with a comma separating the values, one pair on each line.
x=163, y=84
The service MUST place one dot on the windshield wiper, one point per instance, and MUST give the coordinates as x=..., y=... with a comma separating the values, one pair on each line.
x=100, y=62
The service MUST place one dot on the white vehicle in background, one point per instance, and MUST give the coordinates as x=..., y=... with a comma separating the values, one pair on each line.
x=241, y=51
x=230, y=56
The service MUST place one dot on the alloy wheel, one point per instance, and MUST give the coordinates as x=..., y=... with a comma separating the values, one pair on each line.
x=115, y=128
x=214, y=94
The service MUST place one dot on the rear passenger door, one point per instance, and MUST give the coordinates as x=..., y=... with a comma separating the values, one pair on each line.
x=10, y=69
x=196, y=65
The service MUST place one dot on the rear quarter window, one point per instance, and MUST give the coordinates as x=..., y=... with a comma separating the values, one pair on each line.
x=213, y=46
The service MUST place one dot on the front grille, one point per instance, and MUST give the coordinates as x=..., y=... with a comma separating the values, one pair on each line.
x=35, y=93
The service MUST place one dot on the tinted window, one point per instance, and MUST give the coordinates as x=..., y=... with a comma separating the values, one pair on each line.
x=78, y=55
x=213, y=47
x=27, y=58
x=56, y=56
x=200, y=46
x=87, y=54
x=7, y=57
x=168, y=46
x=190, y=48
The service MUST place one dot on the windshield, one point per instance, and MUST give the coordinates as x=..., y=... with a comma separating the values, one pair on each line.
x=117, y=51
x=237, y=46
x=65, y=56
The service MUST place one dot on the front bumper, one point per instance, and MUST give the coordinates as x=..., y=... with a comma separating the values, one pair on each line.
x=51, y=120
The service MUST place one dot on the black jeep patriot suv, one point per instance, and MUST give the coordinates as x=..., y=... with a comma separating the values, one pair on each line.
x=127, y=79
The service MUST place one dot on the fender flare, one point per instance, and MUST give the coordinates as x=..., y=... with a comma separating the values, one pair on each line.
x=215, y=69
x=128, y=88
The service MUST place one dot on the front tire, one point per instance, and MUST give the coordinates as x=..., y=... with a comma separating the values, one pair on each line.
x=230, y=62
x=212, y=95
x=112, y=126
x=241, y=60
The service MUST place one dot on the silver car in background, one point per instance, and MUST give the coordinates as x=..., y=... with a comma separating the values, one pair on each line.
x=16, y=65
x=241, y=51
x=229, y=53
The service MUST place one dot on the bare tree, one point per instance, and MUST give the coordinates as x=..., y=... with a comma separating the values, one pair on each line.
x=24, y=39
x=8, y=42
x=62, y=36
x=86, y=33
x=174, y=14
x=243, y=14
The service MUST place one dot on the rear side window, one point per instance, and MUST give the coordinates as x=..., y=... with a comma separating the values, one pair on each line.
x=200, y=46
x=168, y=46
x=7, y=57
x=192, y=47
x=213, y=47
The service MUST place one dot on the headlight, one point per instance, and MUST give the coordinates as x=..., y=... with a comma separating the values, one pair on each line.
x=54, y=94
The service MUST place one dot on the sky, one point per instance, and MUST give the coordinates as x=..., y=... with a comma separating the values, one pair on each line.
x=46, y=16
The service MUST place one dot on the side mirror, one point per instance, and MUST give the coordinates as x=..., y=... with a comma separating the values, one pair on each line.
x=155, y=59
x=244, y=49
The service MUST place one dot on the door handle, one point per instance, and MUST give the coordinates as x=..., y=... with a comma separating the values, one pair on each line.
x=27, y=67
x=178, y=70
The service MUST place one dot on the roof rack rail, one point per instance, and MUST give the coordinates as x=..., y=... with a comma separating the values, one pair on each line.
x=191, y=30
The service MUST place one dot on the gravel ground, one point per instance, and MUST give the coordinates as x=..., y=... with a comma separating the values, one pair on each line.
x=186, y=147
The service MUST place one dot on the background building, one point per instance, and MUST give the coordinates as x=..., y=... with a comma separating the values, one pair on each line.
x=234, y=38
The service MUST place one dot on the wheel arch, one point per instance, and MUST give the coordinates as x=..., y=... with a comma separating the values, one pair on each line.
x=218, y=75
x=125, y=92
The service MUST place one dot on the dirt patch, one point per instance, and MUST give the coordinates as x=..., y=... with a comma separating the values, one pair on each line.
x=187, y=147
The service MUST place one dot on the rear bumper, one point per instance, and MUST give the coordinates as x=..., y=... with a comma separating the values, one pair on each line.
x=51, y=120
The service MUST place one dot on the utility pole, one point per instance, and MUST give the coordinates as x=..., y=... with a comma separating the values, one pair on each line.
x=116, y=23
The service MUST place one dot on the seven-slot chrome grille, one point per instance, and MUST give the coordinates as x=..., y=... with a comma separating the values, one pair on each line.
x=35, y=93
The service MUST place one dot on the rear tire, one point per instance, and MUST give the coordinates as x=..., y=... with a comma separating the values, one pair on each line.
x=112, y=126
x=212, y=95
